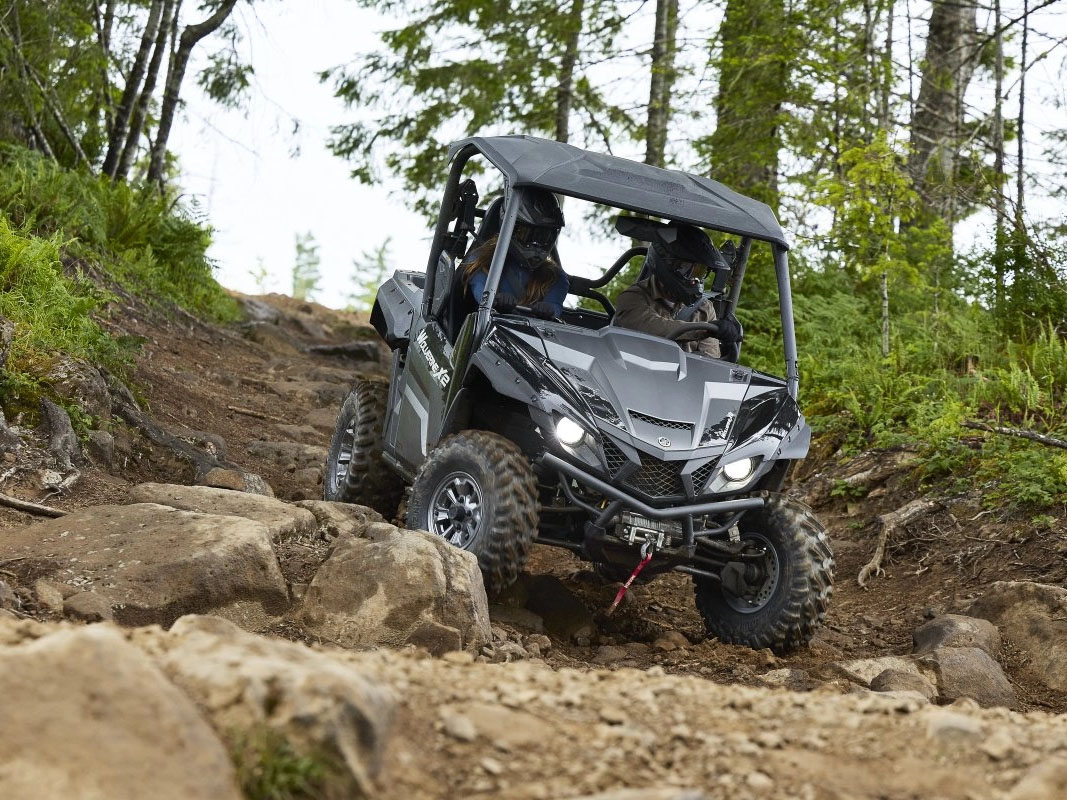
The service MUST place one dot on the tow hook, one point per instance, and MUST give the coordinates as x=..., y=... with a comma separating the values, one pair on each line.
x=646, y=555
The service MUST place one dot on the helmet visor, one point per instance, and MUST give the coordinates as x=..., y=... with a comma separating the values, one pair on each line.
x=542, y=237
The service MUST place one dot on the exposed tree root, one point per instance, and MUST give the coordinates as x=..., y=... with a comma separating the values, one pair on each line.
x=1040, y=438
x=890, y=523
x=30, y=508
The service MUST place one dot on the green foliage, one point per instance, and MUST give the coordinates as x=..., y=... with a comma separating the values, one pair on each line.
x=306, y=273
x=143, y=239
x=465, y=68
x=269, y=769
x=51, y=310
x=369, y=272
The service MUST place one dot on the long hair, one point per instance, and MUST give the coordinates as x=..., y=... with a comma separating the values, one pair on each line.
x=541, y=279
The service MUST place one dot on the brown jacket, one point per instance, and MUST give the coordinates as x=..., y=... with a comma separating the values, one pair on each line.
x=642, y=308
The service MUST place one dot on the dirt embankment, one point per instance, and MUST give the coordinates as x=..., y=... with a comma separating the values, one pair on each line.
x=580, y=702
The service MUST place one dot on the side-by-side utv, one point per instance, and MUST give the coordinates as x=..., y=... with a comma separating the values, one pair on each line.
x=512, y=429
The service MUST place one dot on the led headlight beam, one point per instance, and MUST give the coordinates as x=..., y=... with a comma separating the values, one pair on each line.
x=569, y=432
x=739, y=470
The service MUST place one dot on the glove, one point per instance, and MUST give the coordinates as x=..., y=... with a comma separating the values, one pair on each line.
x=729, y=330
x=543, y=310
x=504, y=302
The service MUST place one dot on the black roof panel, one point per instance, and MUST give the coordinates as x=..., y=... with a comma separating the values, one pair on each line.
x=619, y=182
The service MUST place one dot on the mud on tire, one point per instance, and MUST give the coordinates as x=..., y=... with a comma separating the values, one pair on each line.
x=355, y=469
x=797, y=605
x=478, y=491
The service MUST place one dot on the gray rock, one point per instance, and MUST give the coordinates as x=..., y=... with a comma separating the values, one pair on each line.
x=892, y=680
x=101, y=447
x=49, y=596
x=273, y=338
x=666, y=793
x=299, y=455
x=283, y=520
x=80, y=381
x=62, y=442
x=954, y=630
x=384, y=587
x=339, y=519
x=952, y=728
x=356, y=350
x=8, y=598
x=321, y=705
x=153, y=563
x=519, y=618
x=609, y=654
x=864, y=670
x=1034, y=617
x=96, y=718
x=88, y=607
x=970, y=672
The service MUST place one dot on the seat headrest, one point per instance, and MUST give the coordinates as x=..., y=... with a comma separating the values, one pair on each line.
x=490, y=226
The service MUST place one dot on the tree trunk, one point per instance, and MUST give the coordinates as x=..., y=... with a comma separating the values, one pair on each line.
x=1020, y=168
x=190, y=37
x=117, y=134
x=140, y=109
x=753, y=86
x=998, y=160
x=949, y=65
x=565, y=91
x=885, y=314
x=662, y=81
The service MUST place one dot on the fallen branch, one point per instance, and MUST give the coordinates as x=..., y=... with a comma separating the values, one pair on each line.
x=31, y=508
x=251, y=412
x=1041, y=438
x=890, y=523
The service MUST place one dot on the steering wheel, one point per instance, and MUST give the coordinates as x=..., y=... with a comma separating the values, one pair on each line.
x=693, y=327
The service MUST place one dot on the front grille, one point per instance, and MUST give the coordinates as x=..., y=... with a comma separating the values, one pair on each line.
x=670, y=424
x=615, y=457
x=658, y=478
x=655, y=478
x=701, y=475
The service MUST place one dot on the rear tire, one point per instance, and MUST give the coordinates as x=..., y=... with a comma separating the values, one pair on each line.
x=478, y=492
x=788, y=605
x=355, y=469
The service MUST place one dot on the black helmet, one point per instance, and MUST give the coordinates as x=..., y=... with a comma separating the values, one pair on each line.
x=680, y=257
x=537, y=227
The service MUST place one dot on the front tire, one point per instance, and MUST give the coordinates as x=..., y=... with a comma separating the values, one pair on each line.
x=477, y=491
x=355, y=469
x=785, y=599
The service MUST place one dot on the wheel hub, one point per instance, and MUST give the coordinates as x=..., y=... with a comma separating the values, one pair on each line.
x=749, y=585
x=456, y=510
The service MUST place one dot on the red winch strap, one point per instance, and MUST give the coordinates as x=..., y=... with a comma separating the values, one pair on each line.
x=625, y=586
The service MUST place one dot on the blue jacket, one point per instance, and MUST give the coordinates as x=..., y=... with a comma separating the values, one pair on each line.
x=514, y=281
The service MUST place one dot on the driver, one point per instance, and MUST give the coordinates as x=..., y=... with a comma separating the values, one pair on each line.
x=678, y=260
x=531, y=276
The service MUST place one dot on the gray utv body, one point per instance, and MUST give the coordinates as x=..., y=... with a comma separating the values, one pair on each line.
x=660, y=423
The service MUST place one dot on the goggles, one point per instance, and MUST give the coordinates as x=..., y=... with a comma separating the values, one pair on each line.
x=540, y=236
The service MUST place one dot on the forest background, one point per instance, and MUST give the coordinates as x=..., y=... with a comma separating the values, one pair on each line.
x=877, y=130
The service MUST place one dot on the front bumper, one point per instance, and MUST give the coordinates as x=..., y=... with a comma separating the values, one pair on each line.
x=553, y=462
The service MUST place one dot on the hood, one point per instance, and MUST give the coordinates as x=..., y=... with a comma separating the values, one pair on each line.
x=667, y=400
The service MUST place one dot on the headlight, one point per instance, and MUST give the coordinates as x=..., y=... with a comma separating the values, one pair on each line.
x=739, y=470
x=569, y=432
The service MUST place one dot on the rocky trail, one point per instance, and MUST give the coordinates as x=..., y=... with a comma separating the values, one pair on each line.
x=199, y=624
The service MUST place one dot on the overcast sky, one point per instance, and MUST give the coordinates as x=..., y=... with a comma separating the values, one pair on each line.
x=261, y=184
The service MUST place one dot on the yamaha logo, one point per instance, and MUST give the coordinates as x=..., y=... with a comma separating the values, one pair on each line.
x=664, y=441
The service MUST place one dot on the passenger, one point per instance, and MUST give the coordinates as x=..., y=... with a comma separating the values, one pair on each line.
x=672, y=295
x=531, y=276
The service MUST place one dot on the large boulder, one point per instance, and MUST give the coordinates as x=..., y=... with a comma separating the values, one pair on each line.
x=1034, y=617
x=153, y=563
x=955, y=630
x=394, y=587
x=340, y=519
x=316, y=702
x=284, y=521
x=970, y=672
x=88, y=715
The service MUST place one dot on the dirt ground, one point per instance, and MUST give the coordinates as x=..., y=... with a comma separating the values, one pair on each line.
x=249, y=383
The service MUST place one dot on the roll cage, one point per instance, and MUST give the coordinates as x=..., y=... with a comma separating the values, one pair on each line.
x=526, y=161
